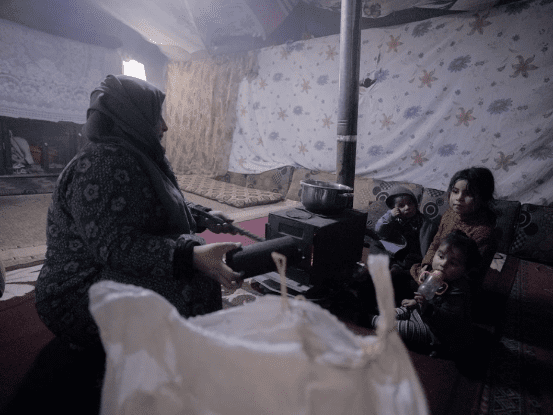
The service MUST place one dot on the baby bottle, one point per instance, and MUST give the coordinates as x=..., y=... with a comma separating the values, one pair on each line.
x=432, y=284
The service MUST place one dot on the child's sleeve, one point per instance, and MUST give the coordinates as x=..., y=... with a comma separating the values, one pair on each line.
x=428, y=230
x=385, y=225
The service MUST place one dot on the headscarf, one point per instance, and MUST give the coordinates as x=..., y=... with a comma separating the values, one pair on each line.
x=134, y=106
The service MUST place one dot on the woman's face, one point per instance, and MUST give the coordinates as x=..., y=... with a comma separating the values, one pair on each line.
x=161, y=128
x=461, y=200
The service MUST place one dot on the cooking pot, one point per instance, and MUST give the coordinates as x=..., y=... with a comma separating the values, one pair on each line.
x=325, y=197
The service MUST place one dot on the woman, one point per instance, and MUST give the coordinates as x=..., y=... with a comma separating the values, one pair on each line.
x=117, y=214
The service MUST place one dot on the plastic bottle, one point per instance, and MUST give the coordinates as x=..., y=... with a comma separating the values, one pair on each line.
x=433, y=284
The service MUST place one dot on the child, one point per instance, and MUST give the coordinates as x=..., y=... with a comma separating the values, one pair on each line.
x=470, y=210
x=406, y=234
x=442, y=324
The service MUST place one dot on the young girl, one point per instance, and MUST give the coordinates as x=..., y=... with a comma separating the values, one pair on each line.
x=470, y=210
x=442, y=324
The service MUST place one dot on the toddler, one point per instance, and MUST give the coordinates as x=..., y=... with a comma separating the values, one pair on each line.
x=406, y=234
x=443, y=323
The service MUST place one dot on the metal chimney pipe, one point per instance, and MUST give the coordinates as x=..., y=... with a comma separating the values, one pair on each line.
x=350, y=51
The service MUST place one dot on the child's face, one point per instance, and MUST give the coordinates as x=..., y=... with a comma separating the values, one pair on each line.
x=406, y=206
x=451, y=261
x=461, y=200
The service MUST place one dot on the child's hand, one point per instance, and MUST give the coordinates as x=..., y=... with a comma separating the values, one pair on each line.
x=423, y=269
x=419, y=298
x=407, y=303
x=396, y=212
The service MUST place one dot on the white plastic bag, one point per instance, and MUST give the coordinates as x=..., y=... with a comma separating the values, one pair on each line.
x=271, y=356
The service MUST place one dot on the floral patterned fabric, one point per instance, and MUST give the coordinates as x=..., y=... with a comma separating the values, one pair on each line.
x=106, y=223
x=450, y=92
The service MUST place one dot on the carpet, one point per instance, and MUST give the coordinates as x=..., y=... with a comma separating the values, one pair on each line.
x=23, y=228
x=521, y=370
x=27, y=184
x=23, y=335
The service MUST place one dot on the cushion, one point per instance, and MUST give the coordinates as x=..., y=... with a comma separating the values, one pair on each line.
x=294, y=192
x=276, y=180
x=378, y=189
x=507, y=219
x=434, y=203
x=375, y=212
x=361, y=193
x=228, y=193
x=238, y=179
x=533, y=239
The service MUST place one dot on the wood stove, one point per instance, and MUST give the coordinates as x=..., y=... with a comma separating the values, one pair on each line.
x=331, y=245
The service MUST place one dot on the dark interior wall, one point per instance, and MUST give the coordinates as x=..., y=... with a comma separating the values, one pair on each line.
x=60, y=139
x=81, y=21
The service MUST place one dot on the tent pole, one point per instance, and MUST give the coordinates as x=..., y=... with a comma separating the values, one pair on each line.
x=350, y=50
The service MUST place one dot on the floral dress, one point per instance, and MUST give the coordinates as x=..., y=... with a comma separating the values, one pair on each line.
x=106, y=222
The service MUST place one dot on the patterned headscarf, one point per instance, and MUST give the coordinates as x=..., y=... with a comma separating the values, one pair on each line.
x=134, y=106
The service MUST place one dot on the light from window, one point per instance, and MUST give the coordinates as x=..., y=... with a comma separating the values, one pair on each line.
x=134, y=68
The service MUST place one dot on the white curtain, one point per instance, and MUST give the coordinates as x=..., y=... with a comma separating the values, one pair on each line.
x=450, y=92
x=46, y=77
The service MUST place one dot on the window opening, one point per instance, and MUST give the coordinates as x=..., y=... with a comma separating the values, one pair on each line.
x=134, y=68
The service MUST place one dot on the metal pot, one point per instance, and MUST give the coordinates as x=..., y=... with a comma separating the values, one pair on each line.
x=325, y=197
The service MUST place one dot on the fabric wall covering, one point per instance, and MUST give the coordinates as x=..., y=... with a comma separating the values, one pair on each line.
x=200, y=110
x=450, y=92
x=379, y=8
x=47, y=77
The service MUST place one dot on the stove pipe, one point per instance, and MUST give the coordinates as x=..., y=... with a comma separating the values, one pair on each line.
x=350, y=50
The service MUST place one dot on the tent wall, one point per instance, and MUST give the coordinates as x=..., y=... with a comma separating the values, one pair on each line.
x=450, y=92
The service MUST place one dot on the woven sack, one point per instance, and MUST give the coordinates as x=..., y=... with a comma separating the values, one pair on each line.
x=272, y=356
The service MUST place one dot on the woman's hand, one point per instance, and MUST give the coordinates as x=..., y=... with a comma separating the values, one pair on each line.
x=208, y=259
x=220, y=228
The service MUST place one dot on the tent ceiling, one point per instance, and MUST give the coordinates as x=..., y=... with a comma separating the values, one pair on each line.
x=180, y=28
